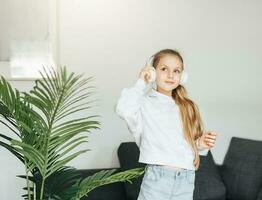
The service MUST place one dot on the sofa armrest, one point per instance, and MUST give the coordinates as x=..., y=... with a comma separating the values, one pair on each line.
x=259, y=197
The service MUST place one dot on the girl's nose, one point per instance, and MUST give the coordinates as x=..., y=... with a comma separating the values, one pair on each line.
x=170, y=74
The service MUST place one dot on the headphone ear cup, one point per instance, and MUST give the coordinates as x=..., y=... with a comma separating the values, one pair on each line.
x=150, y=61
x=153, y=85
x=152, y=75
x=152, y=81
x=184, y=78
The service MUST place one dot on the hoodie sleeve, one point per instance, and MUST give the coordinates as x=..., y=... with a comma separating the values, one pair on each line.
x=203, y=152
x=128, y=108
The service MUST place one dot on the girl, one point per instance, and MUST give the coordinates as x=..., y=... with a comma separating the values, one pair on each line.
x=167, y=128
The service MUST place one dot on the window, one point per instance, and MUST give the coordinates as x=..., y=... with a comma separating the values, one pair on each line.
x=27, y=37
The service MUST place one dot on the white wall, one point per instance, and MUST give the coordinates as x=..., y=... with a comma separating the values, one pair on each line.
x=111, y=40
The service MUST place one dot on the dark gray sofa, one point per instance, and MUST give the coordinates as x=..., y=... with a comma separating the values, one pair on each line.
x=238, y=178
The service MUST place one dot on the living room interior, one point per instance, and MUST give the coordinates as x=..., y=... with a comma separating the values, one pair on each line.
x=111, y=40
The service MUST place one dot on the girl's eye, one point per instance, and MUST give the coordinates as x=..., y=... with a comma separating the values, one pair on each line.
x=176, y=71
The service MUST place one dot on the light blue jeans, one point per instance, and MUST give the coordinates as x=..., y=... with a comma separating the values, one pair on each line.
x=163, y=183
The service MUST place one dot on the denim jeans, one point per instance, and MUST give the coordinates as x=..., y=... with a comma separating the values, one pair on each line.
x=163, y=183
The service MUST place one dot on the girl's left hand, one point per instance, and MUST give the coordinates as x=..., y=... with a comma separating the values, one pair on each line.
x=207, y=141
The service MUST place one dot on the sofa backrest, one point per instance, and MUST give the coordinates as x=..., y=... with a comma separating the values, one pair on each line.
x=242, y=169
x=128, y=154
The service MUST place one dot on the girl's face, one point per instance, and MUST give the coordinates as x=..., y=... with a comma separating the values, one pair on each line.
x=168, y=74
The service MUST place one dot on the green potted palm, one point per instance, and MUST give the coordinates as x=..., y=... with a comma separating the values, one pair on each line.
x=45, y=129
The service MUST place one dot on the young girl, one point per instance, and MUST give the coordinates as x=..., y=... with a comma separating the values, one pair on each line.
x=167, y=128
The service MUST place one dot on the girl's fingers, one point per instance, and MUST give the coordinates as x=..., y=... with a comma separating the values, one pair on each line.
x=209, y=136
x=145, y=74
x=148, y=68
x=212, y=133
x=210, y=144
x=210, y=140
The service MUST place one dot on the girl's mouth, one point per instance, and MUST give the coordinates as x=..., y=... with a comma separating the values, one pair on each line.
x=169, y=82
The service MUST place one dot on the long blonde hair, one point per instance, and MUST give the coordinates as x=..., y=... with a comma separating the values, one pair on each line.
x=193, y=127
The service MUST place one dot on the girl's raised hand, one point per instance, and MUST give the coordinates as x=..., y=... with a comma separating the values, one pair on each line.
x=145, y=73
x=207, y=140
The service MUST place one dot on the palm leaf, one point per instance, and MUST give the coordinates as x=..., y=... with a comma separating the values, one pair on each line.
x=10, y=148
x=56, y=185
x=101, y=178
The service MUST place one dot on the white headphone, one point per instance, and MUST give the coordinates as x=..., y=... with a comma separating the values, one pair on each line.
x=183, y=80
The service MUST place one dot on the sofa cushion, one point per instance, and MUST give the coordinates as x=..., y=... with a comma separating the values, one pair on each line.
x=128, y=154
x=242, y=169
x=208, y=182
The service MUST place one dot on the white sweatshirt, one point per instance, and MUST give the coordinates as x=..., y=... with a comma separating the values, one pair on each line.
x=153, y=120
